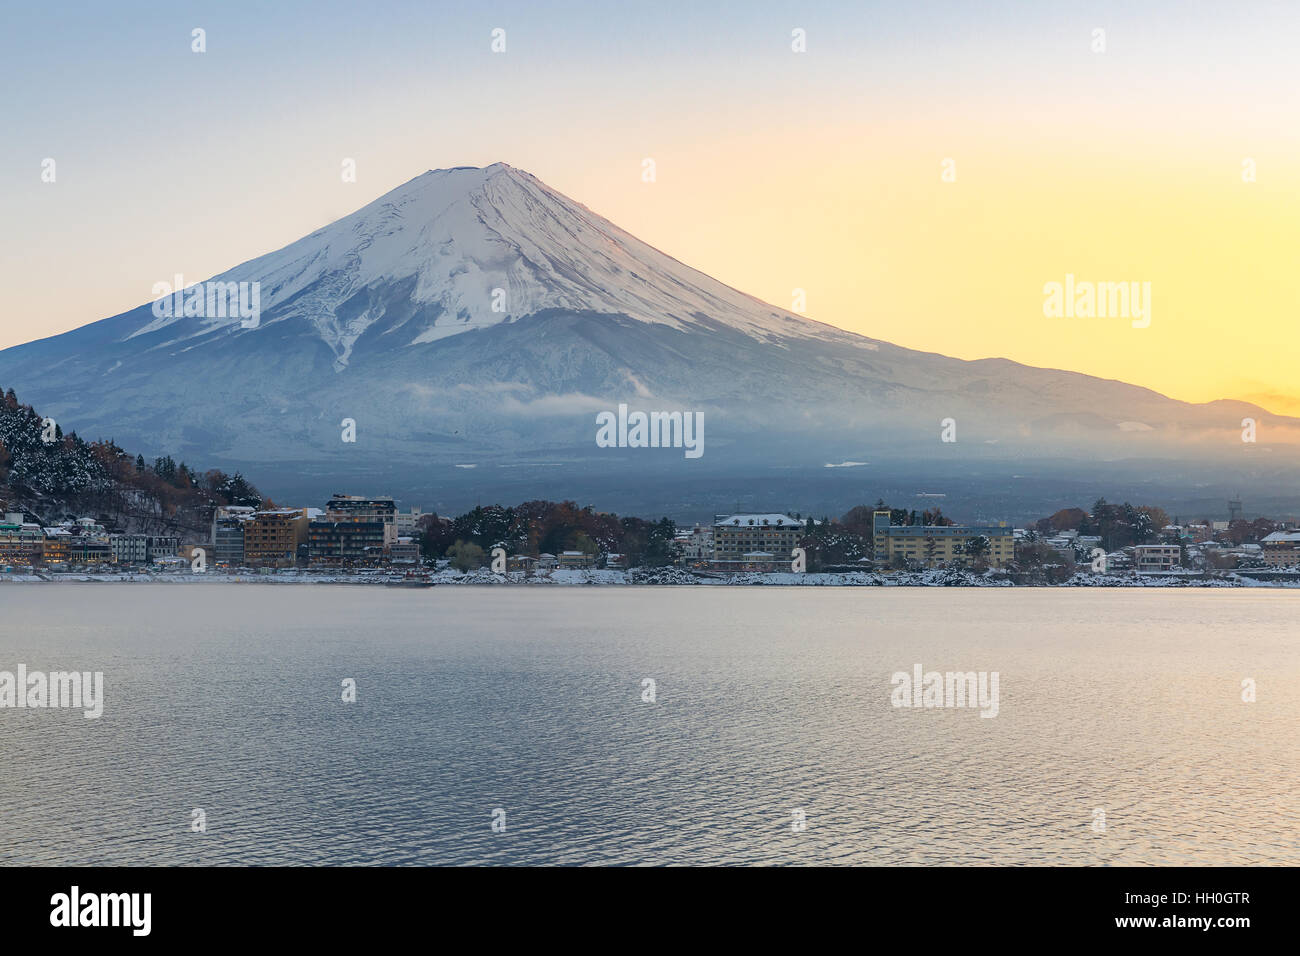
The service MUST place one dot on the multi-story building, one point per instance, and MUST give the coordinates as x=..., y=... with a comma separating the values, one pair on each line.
x=696, y=544
x=89, y=549
x=1281, y=549
x=1156, y=557
x=576, y=559
x=163, y=546
x=88, y=526
x=228, y=536
x=226, y=512
x=346, y=543
x=405, y=551
x=934, y=545
x=407, y=522
x=21, y=543
x=739, y=540
x=57, y=541
x=271, y=538
x=357, y=508
x=130, y=548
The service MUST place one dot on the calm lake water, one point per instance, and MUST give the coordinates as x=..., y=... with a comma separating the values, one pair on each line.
x=227, y=697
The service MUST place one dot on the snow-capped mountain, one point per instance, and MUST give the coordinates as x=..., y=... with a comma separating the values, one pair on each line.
x=483, y=246
x=473, y=321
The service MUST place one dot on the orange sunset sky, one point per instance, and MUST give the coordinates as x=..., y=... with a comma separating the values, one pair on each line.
x=775, y=170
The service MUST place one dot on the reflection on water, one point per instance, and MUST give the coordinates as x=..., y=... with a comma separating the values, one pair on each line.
x=767, y=701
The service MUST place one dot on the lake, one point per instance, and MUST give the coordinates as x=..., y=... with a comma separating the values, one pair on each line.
x=515, y=725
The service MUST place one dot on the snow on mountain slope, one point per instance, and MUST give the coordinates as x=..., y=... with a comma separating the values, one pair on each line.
x=386, y=318
x=485, y=246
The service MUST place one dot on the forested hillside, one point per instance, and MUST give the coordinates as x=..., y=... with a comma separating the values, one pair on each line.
x=55, y=474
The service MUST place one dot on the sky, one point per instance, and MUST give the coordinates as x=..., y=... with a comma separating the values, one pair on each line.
x=920, y=172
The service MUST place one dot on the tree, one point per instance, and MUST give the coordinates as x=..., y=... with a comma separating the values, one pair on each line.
x=935, y=518
x=466, y=555
x=931, y=547
x=858, y=520
x=1159, y=517
x=977, y=549
x=662, y=547
x=1262, y=527
x=436, y=535
x=1141, y=528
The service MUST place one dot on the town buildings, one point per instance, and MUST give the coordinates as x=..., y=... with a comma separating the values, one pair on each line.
x=57, y=546
x=408, y=522
x=751, y=542
x=130, y=548
x=358, y=532
x=347, y=543
x=271, y=538
x=87, y=549
x=405, y=551
x=1156, y=557
x=21, y=542
x=1281, y=549
x=696, y=545
x=228, y=534
x=361, y=509
x=935, y=545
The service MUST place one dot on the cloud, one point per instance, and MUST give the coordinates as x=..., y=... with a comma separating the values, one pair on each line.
x=572, y=403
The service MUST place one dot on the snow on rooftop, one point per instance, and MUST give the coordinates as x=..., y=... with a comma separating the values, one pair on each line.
x=758, y=520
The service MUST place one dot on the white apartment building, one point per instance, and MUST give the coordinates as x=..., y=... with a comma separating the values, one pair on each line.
x=1155, y=557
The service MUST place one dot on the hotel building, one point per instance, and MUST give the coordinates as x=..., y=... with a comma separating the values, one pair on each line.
x=1281, y=549
x=754, y=542
x=935, y=545
x=271, y=538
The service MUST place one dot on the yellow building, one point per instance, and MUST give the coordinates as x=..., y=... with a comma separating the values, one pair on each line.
x=56, y=547
x=935, y=545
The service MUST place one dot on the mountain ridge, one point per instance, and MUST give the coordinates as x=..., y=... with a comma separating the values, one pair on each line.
x=475, y=317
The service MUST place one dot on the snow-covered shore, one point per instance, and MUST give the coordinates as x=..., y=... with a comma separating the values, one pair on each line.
x=655, y=576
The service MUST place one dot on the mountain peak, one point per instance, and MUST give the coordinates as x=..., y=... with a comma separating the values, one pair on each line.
x=470, y=247
x=368, y=319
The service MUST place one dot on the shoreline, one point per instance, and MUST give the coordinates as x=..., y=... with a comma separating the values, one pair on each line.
x=663, y=577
